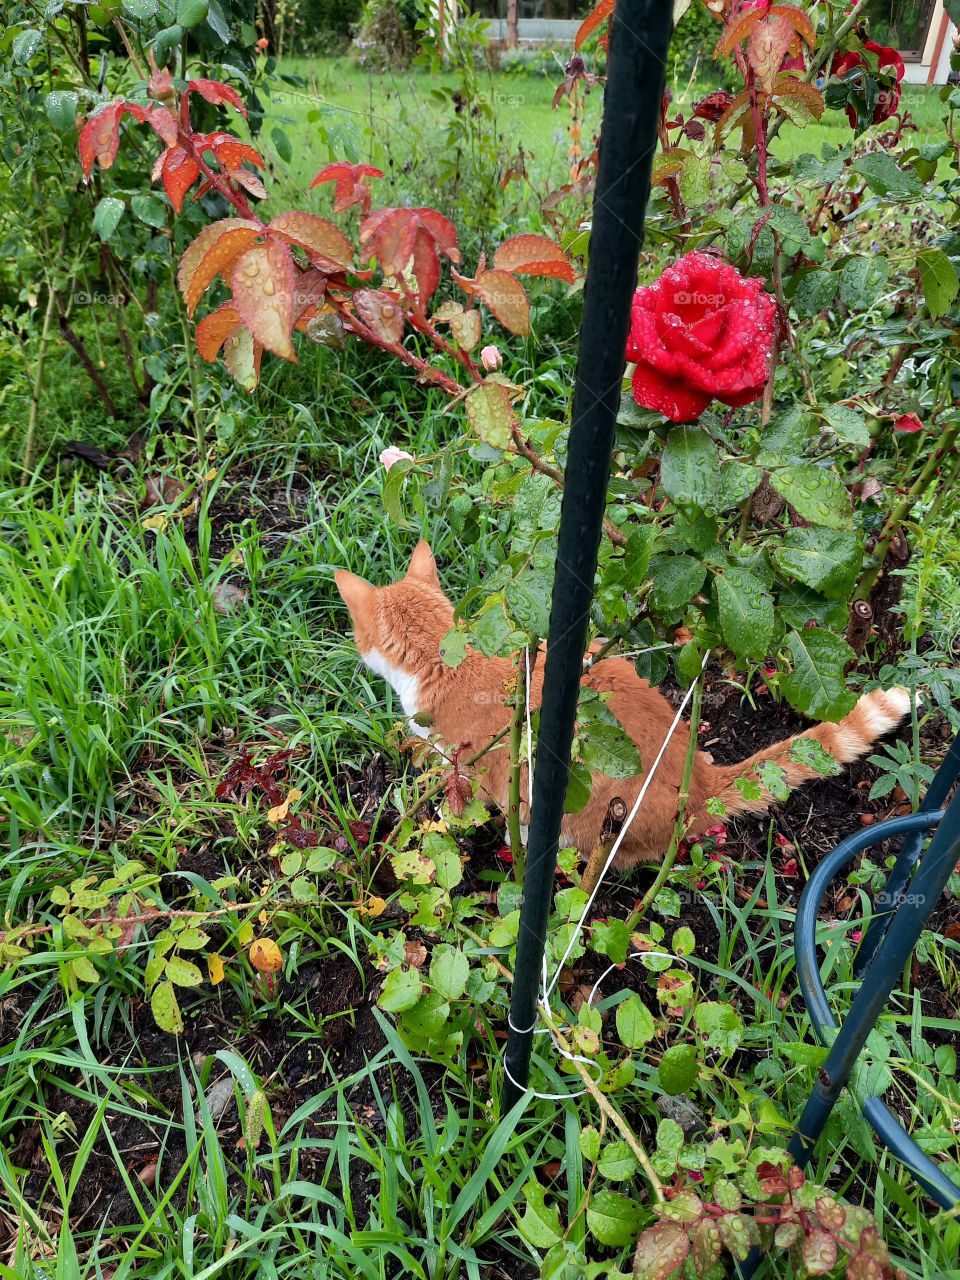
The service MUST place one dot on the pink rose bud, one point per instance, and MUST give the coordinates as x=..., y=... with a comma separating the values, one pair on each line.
x=908, y=422
x=393, y=455
x=491, y=359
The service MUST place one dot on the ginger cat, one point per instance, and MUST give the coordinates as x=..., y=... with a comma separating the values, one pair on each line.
x=398, y=630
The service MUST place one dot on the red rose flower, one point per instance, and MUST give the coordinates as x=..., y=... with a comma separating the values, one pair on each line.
x=702, y=332
x=889, y=98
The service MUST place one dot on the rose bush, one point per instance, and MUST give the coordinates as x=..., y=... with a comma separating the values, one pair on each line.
x=701, y=332
x=888, y=99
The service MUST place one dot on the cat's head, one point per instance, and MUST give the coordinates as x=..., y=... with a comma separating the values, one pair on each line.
x=401, y=623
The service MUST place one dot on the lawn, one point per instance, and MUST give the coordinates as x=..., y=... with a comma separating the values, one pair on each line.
x=257, y=943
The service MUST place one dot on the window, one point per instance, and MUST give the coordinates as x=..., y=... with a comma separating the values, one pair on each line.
x=900, y=24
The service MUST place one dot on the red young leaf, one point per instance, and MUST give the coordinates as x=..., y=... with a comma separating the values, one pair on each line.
x=736, y=31
x=311, y=287
x=164, y=124
x=326, y=245
x=533, y=256
x=250, y=181
x=767, y=47
x=217, y=93
x=381, y=313
x=263, y=280
x=229, y=151
x=214, y=329
x=426, y=265
x=506, y=298
x=390, y=234
x=442, y=230
x=593, y=20
x=212, y=252
x=100, y=138
x=661, y=1251
x=178, y=171
x=350, y=188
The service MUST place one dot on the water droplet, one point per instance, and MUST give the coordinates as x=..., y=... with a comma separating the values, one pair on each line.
x=252, y=269
x=268, y=288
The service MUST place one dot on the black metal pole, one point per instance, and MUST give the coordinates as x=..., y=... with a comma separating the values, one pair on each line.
x=639, y=38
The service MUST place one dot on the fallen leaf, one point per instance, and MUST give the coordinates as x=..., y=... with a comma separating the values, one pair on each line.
x=372, y=907
x=265, y=955
x=215, y=969
x=279, y=811
x=226, y=596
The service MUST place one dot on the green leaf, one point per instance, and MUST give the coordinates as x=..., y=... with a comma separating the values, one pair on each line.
x=540, y=1223
x=490, y=413
x=107, y=215
x=528, y=599
x=165, y=1009
x=815, y=493
x=84, y=969
x=140, y=9
x=720, y=1024
x=737, y=481
x=608, y=749
x=848, y=424
x=61, y=109
x=453, y=647
x=676, y=580
x=590, y=1144
x=885, y=177
x=613, y=1219
x=817, y=684
x=282, y=145
x=828, y=560
x=190, y=13
x=690, y=467
x=862, y=280
x=393, y=492
x=746, y=613
x=938, y=280
x=678, y=1069
x=183, y=972
x=812, y=290
x=579, y=786
x=815, y=756
x=617, y=1162
x=25, y=45
x=635, y=1025
x=402, y=989
x=149, y=209
x=217, y=22
x=774, y=778
x=449, y=971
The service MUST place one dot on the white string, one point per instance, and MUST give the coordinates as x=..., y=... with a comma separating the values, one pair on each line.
x=615, y=847
x=544, y=1001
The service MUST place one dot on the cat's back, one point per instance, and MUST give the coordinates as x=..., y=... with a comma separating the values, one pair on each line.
x=639, y=708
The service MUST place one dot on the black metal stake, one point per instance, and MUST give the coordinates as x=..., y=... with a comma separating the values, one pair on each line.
x=639, y=38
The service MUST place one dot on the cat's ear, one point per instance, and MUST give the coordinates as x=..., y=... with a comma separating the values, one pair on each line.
x=356, y=593
x=423, y=567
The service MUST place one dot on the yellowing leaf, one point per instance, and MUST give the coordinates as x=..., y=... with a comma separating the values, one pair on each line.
x=212, y=252
x=506, y=298
x=265, y=955
x=263, y=282
x=245, y=933
x=216, y=969
x=279, y=811
x=158, y=522
x=371, y=907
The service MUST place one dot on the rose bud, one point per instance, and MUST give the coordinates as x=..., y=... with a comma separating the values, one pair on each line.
x=491, y=359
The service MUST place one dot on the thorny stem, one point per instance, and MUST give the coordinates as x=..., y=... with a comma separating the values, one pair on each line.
x=606, y=1107
x=682, y=797
x=903, y=508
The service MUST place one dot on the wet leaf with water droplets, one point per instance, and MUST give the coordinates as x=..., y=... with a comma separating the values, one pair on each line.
x=263, y=281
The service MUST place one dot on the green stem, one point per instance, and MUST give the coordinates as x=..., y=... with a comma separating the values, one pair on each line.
x=683, y=796
x=516, y=763
x=868, y=579
x=38, y=384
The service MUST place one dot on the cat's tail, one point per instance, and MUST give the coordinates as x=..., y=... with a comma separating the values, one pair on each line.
x=874, y=715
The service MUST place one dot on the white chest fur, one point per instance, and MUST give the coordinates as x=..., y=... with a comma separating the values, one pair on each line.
x=405, y=685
